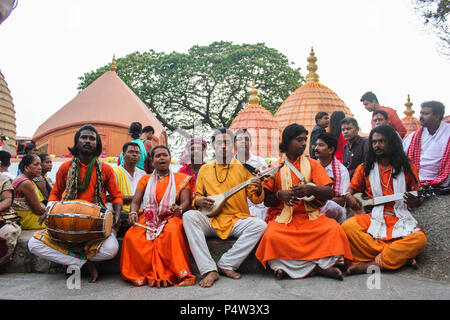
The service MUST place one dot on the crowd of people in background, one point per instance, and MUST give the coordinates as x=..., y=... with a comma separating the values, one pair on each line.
x=296, y=219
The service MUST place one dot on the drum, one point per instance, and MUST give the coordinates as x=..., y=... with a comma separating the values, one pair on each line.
x=77, y=221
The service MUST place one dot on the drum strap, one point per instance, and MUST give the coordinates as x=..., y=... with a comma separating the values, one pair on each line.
x=73, y=180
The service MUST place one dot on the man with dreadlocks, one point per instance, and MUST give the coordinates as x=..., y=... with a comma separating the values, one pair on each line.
x=389, y=236
x=85, y=177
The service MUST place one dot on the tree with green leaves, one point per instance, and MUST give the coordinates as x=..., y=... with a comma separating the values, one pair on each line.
x=208, y=84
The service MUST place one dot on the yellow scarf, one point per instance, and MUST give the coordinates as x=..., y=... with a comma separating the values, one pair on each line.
x=124, y=185
x=286, y=184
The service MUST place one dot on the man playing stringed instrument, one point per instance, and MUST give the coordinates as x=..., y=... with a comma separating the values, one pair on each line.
x=233, y=218
x=300, y=240
x=389, y=236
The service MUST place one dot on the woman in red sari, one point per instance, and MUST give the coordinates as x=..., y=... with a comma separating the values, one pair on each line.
x=156, y=251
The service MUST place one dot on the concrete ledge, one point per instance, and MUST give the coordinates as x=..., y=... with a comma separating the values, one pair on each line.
x=432, y=216
x=25, y=262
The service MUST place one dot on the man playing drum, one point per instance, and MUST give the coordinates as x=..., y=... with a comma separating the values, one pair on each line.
x=83, y=178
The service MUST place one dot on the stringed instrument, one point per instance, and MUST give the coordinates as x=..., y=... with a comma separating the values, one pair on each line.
x=368, y=203
x=220, y=199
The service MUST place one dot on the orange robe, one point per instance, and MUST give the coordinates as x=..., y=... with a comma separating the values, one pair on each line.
x=109, y=184
x=302, y=238
x=88, y=249
x=388, y=253
x=165, y=260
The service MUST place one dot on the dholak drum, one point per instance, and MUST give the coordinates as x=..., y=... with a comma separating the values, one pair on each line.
x=78, y=221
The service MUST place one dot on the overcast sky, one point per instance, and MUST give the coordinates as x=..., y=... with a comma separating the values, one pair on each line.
x=360, y=45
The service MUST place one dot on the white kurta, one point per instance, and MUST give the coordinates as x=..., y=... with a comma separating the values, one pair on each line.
x=258, y=210
x=132, y=179
x=431, y=151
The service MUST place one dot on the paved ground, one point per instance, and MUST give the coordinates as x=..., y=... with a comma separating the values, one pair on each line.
x=400, y=285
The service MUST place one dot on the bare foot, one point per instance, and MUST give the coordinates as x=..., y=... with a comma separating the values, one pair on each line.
x=279, y=274
x=331, y=272
x=209, y=279
x=413, y=263
x=92, y=267
x=359, y=268
x=230, y=273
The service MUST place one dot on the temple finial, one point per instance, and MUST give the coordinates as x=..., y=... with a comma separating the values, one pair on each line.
x=113, y=66
x=312, y=76
x=254, y=99
x=409, y=111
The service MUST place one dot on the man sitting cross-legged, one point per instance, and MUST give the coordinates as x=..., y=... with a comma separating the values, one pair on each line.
x=85, y=178
x=300, y=240
x=233, y=220
x=389, y=236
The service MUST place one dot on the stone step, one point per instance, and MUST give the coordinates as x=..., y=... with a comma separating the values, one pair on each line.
x=432, y=217
x=25, y=262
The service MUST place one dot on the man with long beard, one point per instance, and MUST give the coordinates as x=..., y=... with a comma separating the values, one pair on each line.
x=388, y=237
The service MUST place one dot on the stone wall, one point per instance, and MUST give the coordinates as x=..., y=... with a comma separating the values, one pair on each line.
x=433, y=217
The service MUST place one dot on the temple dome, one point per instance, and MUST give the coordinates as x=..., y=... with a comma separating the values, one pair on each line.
x=303, y=104
x=108, y=104
x=261, y=125
x=7, y=117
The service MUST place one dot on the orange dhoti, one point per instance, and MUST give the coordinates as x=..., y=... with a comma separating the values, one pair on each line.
x=388, y=253
x=161, y=262
x=303, y=239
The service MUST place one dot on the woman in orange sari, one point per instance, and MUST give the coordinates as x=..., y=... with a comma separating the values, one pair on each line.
x=154, y=249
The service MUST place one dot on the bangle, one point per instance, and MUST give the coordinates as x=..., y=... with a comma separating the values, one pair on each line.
x=276, y=195
x=132, y=212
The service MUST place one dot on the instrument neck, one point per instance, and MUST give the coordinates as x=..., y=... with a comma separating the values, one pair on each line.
x=237, y=188
x=392, y=197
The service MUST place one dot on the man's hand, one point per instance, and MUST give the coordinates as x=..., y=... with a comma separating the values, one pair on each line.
x=411, y=200
x=204, y=202
x=117, y=209
x=257, y=186
x=288, y=197
x=352, y=202
x=302, y=190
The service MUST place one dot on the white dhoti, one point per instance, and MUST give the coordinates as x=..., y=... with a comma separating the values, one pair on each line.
x=107, y=251
x=334, y=211
x=300, y=268
x=197, y=227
